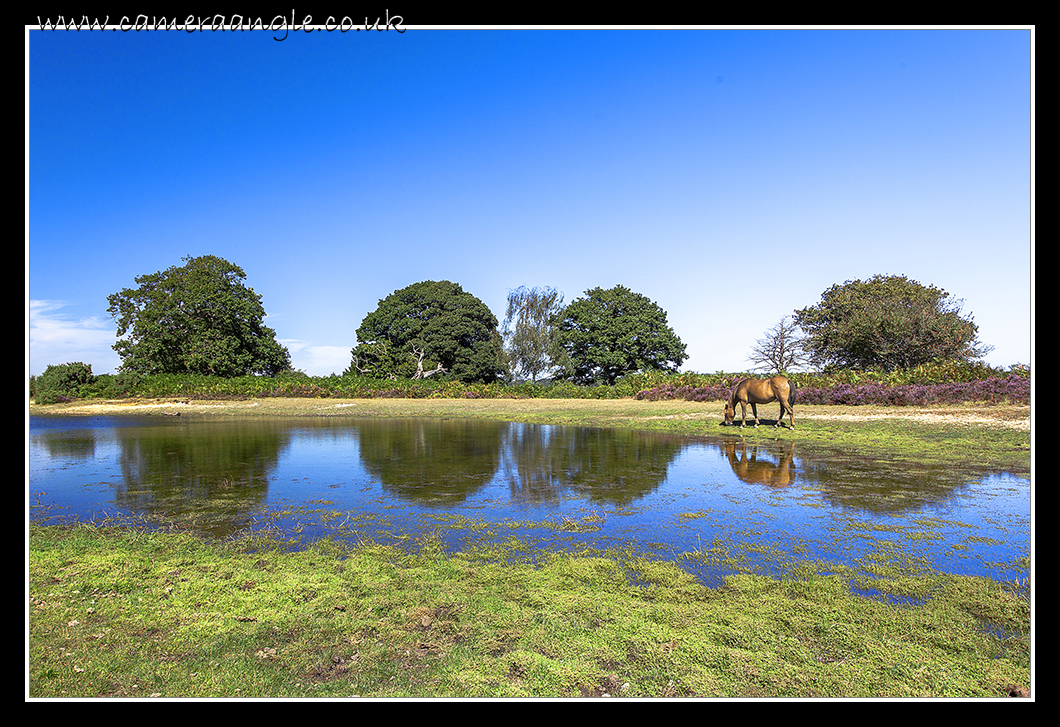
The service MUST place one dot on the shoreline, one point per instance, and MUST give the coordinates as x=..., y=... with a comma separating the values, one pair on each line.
x=999, y=435
x=1008, y=416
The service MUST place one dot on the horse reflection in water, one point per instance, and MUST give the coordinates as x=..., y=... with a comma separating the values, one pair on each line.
x=754, y=471
x=761, y=391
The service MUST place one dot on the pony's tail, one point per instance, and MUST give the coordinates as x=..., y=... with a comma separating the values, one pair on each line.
x=791, y=394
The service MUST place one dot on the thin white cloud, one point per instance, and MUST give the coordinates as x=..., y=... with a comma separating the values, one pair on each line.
x=317, y=360
x=56, y=338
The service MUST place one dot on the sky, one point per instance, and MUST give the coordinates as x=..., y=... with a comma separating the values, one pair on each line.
x=729, y=175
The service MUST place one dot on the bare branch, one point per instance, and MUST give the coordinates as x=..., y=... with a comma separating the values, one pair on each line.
x=420, y=373
x=781, y=349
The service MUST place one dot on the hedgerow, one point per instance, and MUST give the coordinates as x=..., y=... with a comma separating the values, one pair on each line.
x=997, y=390
x=75, y=380
x=928, y=384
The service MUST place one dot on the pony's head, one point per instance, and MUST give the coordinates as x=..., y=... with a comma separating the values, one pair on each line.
x=730, y=413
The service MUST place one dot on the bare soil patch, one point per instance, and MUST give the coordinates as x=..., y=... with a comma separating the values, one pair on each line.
x=1003, y=416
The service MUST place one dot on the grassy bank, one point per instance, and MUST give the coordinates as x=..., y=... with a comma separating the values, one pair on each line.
x=130, y=613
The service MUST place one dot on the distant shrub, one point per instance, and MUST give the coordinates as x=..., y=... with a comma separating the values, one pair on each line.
x=688, y=393
x=993, y=390
x=125, y=384
x=61, y=382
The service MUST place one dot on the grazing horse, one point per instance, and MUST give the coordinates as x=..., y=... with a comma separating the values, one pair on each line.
x=761, y=391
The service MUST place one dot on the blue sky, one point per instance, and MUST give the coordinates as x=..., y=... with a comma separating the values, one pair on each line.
x=731, y=176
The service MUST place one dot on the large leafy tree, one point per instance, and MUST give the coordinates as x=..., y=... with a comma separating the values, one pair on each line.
x=613, y=332
x=198, y=318
x=431, y=327
x=529, y=335
x=887, y=322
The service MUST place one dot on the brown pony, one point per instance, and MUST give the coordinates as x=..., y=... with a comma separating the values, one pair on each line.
x=761, y=391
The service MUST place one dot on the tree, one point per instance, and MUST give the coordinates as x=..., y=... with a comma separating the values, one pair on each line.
x=888, y=322
x=780, y=349
x=198, y=318
x=528, y=332
x=613, y=332
x=61, y=380
x=429, y=324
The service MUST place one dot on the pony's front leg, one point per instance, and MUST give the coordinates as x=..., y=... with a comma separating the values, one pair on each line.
x=754, y=410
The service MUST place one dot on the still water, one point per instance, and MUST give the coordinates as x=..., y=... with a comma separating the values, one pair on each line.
x=752, y=506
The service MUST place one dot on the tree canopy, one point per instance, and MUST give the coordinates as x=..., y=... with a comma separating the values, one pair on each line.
x=430, y=324
x=613, y=332
x=887, y=322
x=198, y=318
x=529, y=335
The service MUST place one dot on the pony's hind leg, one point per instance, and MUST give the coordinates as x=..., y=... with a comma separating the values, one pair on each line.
x=786, y=407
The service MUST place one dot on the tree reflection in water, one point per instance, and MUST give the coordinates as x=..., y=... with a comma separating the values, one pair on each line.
x=218, y=476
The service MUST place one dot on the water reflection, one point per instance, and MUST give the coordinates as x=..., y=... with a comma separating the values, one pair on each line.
x=846, y=479
x=432, y=462
x=861, y=483
x=772, y=465
x=76, y=444
x=219, y=476
x=544, y=464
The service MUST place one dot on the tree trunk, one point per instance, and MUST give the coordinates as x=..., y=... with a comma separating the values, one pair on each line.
x=420, y=373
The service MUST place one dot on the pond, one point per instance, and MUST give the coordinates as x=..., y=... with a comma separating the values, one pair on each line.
x=733, y=504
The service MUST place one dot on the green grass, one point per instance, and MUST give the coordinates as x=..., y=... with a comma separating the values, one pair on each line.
x=119, y=612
